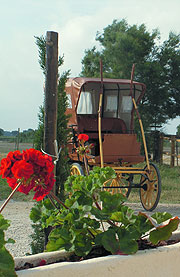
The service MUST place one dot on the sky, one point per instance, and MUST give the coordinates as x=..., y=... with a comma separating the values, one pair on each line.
x=77, y=22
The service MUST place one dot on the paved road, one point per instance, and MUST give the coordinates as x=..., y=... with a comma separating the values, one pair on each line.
x=173, y=209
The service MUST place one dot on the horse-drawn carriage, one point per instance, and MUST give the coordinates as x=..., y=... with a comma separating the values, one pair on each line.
x=104, y=109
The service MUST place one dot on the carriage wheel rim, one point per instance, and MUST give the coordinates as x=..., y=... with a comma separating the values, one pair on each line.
x=150, y=196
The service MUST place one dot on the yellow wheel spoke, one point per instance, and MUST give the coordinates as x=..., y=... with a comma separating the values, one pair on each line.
x=116, y=183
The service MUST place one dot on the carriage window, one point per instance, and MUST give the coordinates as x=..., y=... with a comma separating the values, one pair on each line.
x=126, y=104
x=85, y=105
x=111, y=103
x=69, y=102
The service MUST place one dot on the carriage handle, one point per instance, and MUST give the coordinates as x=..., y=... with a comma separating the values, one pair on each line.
x=139, y=118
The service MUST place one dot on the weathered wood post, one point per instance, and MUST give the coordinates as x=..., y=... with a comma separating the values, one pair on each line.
x=172, y=150
x=177, y=152
x=50, y=105
x=161, y=148
x=17, y=140
x=50, y=109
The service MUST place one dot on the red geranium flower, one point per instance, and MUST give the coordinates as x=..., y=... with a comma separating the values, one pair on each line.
x=34, y=156
x=5, y=168
x=12, y=182
x=15, y=156
x=42, y=262
x=22, y=169
x=31, y=169
x=43, y=190
x=83, y=137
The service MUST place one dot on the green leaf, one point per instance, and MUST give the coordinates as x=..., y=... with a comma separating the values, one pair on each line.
x=111, y=202
x=128, y=246
x=35, y=214
x=4, y=223
x=161, y=217
x=6, y=263
x=48, y=205
x=128, y=239
x=10, y=241
x=2, y=240
x=164, y=232
x=99, y=214
x=143, y=224
x=109, y=241
x=55, y=245
x=82, y=245
x=117, y=216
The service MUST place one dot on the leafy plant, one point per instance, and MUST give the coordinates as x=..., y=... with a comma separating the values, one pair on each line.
x=6, y=260
x=92, y=216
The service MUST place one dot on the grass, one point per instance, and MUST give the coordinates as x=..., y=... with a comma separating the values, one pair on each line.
x=5, y=190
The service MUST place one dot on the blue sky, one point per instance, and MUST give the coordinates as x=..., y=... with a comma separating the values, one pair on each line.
x=21, y=80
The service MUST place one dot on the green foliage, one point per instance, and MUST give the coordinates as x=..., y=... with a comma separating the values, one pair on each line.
x=39, y=134
x=84, y=222
x=26, y=136
x=157, y=65
x=1, y=132
x=41, y=43
x=6, y=260
x=178, y=130
x=38, y=239
x=62, y=166
x=39, y=214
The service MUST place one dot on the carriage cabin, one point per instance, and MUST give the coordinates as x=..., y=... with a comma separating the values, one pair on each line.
x=120, y=144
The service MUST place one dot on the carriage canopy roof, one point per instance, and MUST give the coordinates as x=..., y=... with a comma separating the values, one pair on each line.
x=78, y=82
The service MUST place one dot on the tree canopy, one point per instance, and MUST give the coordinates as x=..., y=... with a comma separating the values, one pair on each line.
x=157, y=65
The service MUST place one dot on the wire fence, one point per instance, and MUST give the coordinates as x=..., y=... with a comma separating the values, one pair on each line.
x=6, y=146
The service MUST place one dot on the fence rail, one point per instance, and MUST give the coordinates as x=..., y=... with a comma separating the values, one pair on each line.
x=173, y=151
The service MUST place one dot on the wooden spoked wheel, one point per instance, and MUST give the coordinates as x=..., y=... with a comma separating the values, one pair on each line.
x=151, y=188
x=123, y=181
x=76, y=169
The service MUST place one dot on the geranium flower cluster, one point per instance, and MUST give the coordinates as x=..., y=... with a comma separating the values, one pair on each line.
x=84, y=148
x=32, y=169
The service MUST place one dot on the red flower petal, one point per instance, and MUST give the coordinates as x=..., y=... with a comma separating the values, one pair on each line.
x=83, y=137
x=22, y=169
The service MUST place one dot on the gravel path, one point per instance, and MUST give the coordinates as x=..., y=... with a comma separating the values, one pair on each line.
x=20, y=229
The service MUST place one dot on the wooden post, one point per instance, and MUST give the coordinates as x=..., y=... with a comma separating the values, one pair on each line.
x=17, y=139
x=172, y=150
x=161, y=148
x=177, y=152
x=50, y=109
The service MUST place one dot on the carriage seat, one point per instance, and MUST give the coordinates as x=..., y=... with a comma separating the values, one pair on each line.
x=88, y=124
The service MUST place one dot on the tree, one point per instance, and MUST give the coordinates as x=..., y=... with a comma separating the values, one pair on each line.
x=157, y=65
x=178, y=130
x=1, y=132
